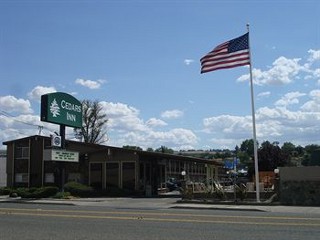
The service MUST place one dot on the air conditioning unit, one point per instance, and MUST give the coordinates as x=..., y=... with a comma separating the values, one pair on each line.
x=56, y=141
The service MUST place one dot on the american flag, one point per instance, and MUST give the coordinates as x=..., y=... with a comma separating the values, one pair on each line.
x=230, y=54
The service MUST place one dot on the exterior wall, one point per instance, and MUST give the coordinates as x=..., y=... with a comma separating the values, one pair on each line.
x=113, y=156
x=102, y=166
x=36, y=162
x=20, y=164
x=10, y=164
x=300, y=186
x=194, y=171
x=3, y=174
x=300, y=173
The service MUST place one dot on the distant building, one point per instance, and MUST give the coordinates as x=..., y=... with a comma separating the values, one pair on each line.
x=35, y=161
x=3, y=174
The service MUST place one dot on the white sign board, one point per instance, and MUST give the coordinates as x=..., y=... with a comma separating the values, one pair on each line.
x=60, y=155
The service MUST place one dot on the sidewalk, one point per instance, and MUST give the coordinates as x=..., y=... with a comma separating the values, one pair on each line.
x=253, y=207
x=163, y=203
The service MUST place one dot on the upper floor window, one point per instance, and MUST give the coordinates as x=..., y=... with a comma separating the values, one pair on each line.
x=22, y=152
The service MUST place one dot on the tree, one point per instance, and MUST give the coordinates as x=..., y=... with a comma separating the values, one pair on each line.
x=93, y=122
x=315, y=158
x=223, y=154
x=132, y=147
x=164, y=149
x=271, y=156
x=288, y=148
x=247, y=146
x=312, y=155
x=244, y=158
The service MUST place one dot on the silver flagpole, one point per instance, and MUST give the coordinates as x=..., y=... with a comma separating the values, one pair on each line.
x=255, y=148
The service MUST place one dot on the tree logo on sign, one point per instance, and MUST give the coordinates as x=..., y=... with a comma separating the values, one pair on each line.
x=54, y=108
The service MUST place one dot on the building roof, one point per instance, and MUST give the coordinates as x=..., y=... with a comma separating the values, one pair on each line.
x=95, y=148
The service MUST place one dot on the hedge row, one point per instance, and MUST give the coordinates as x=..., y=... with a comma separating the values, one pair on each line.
x=42, y=192
x=71, y=188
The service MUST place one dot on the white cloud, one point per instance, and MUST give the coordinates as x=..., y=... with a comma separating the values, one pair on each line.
x=89, y=83
x=154, y=122
x=230, y=126
x=283, y=71
x=123, y=117
x=36, y=93
x=24, y=125
x=263, y=95
x=314, y=55
x=289, y=99
x=188, y=61
x=314, y=104
x=172, y=114
x=127, y=128
x=177, y=138
x=272, y=124
x=174, y=136
x=12, y=104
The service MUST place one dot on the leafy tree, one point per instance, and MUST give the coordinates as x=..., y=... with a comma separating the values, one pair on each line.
x=299, y=150
x=315, y=158
x=312, y=155
x=244, y=158
x=93, y=122
x=149, y=149
x=288, y=148
x=223, y=154
x=247, y=146
x=311, y=148
x=270, y=157
x=164, y=149
x=133, y=147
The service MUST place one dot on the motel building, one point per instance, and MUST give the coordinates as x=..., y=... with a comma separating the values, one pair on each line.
x=37, y=161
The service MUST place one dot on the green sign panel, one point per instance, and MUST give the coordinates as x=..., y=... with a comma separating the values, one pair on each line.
x=61, y=108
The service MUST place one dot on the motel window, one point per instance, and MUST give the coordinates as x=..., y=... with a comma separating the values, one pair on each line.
x=21, y=177
x=49, y=178
x=96, y=175
x=128, y=175
x=112, y=174
x=22, y=152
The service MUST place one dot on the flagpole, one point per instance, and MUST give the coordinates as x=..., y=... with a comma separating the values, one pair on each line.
x=255, y=148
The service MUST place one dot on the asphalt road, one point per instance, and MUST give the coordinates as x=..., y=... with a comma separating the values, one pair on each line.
x=37, y=221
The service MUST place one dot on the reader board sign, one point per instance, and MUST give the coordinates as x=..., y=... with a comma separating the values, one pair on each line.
x=60, y=155
x=61, y=108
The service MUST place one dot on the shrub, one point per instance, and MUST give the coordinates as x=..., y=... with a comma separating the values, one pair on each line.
x=42, y=192
x=62, y=195
x=78, y=189
x=5, y=191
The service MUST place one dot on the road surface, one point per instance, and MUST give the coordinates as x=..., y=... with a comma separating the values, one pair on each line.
x=38, y=221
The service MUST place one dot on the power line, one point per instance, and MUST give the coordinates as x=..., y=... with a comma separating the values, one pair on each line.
x=40, y=128
x=6, y=114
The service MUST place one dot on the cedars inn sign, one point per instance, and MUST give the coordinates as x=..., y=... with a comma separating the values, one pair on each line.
x=61, y=108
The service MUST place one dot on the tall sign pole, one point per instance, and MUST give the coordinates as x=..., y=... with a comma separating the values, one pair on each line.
x=65, y=110
x=255, y=148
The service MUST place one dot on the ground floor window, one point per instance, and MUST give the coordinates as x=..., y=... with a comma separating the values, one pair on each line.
x=21, y=178
x=96, y=175
x=49, y=178
x=112, y=175
x=74, y=177
x=128, y=175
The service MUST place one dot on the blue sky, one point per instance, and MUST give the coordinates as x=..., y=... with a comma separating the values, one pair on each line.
x=140, y=59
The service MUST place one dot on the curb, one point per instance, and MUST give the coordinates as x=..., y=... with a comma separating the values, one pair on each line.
x=23, y=201
x=222, y=208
